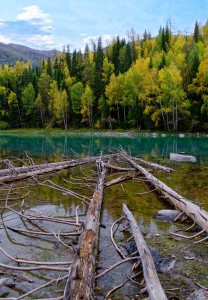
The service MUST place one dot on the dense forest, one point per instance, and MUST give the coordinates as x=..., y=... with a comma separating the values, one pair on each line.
x=158, y=83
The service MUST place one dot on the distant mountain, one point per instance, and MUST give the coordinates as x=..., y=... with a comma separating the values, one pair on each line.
x=10, y=53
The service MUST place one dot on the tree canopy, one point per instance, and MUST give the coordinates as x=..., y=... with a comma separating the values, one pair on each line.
x=137, y=82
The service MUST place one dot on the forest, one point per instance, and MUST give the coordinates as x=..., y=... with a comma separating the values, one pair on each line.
x=137, y=82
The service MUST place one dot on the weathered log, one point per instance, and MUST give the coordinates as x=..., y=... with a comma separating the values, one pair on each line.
x=196, y=213
x=22, y=231
x=3, y=281
x=154, y=165
x=122, y=179
x=14, y=174
x=117, y=168
x=152, y=281
x=24, y=169
x=80, y=283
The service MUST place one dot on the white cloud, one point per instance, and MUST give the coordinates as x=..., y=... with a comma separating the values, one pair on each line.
x=2, y=24
x=40, y=40
x=34, y=15
x=46, y=28
x=90, y=39
x=4, y=39
x=32, y=27
x=106, y=38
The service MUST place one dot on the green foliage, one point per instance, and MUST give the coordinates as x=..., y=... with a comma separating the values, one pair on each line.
x=147, y=83
x=196, y=34
x=76, y=93
x=4, y=125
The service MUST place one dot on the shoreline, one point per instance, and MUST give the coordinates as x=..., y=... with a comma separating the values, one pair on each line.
x=102, y=133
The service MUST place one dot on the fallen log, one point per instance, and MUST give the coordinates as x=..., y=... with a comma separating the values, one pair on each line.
x=80, y=283
x=154, y=165
x=196, y=213
x=152, y=281
x=122, y=179
x=69, y=163
x=22, y=231
x=14, y=174
x=117, y=168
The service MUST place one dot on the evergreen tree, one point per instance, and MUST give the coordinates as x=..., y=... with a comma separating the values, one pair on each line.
x=115, y=55
x=163, y=61
x=128, y=57
x=79, y=66
x=196, y=34
x=49, y=67
x=68, y=59
x=98, y=86
x=74, y=64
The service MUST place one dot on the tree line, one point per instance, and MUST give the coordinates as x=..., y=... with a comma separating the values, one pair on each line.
x=135, y=82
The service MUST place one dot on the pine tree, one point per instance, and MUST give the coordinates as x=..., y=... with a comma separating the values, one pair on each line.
x=49, y=67
x=98, y=86
x=163, y=62
x=68, y=59
x=128, y=57
x=74, y=63
x=196, y=34
x=115, y=55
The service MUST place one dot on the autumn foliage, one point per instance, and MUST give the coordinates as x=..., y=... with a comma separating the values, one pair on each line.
x=139, y=82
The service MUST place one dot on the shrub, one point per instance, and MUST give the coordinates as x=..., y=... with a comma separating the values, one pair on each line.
x=4, y=125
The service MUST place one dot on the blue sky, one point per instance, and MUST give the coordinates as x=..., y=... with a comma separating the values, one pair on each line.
x=43, y=24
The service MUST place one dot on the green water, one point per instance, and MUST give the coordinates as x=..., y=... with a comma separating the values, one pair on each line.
x=153, y=147
x=189, y=179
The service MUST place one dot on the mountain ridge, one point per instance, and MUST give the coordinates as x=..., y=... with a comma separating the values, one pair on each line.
x=10, y=53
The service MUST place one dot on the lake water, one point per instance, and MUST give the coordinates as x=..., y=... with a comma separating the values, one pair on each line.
x=189, y=179
x=153, y=147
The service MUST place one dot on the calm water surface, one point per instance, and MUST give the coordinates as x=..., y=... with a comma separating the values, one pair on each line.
x=155, y=147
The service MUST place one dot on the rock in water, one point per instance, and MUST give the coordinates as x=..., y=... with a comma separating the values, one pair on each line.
x=182, y=157
x=199, y=295
x=167, y=214
x=162, y=264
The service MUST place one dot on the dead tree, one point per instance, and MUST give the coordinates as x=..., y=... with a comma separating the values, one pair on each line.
x=154, y=165
x=80, y=283
x=196, y=213
x=19, y=173
x=121, y=179
x=152, y=281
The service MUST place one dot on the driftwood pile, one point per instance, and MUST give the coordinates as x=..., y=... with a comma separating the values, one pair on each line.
x=80, y=273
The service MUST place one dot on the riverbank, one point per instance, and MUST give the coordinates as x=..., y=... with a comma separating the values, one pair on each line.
x=95, y=132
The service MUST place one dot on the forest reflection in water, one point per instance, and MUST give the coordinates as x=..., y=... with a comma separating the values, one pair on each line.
x=64, y=145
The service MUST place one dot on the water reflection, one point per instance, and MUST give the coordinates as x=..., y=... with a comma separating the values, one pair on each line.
x=66, y=145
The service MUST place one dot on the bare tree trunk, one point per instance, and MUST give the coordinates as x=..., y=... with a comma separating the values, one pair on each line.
x=121, y=179
x=196, y=213
x=80, y=283
x=13, y=174
x=154, y=165
x=163, y=117
x=152, y=281
x=124, y=114
x=118, y=114
x=176, y=115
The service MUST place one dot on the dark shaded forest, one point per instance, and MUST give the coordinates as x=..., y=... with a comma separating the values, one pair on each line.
x=139, y=82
